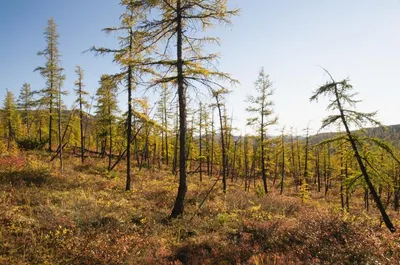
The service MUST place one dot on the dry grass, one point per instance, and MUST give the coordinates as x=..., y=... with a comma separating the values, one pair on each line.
x=83, y=216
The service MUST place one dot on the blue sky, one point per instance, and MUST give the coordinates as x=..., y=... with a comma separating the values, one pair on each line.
x=291, y=39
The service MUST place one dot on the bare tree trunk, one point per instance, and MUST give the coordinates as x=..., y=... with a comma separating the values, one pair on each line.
x=305, y=174
x=81, y=126
x=50, y=120
x=318, y=172
x=200, y=144
x=263, y=172
x=293, y=162
x=283, y=163
x=111, y=142
x=180, y=198
x=298, y=159
x=59, y=129
x=342, y=179
x=166, y=130
x=212, y=142
x=129, y=126
x=224, y=158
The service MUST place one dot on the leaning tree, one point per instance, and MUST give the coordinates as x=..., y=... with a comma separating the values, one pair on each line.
x=342, y=101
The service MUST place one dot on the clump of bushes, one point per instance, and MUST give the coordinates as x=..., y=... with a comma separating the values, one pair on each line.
x=30, y=143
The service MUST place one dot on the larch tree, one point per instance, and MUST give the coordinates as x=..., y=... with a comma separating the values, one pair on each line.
x=106, y=109
x=59, y=112
x=262, y=106
x=182, y=60
x=9, y=118
x=81, y=94
x=342, y=101
x=219, y=98
x=25, y=104
x=52, y=72
x=129, y=57
x=164, y=115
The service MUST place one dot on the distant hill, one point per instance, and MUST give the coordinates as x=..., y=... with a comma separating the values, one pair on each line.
x=389, y=133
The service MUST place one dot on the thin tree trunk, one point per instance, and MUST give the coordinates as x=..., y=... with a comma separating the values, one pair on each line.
x=9, y=133
x=263, y=173
x=166, y=130
x=212, y=142
x=50, y=120
x=293, y=162
x=180, y=198
x=371, y=187
x=283, y=163
x=224, y=158
x=81, y=125
x=129, y=125
x=341, y=180
x=305, y=174
x=318, y=172
x=200, y=144
x=111, y=142
x=59, y=128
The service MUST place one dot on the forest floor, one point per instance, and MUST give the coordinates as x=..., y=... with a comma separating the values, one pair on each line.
x=84, y=216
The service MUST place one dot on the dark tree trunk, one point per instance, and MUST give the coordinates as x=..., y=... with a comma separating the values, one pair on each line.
x=200, y=145
x=293, y=162
x=371, y=187
x=166, y=132
x=180, y=198
x=223, y=146
x=246, y=161
x=129, y=128
x=111, y=142
x=305, y=174
x=212, y=142
x=318, y=171
x=59, y=129
x=283, y=163
x=81, y=126
x=50, y=122
x=341, y=180
x=298, y=159
x=263, y=171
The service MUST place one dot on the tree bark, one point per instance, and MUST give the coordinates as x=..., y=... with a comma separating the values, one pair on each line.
x=180, y=198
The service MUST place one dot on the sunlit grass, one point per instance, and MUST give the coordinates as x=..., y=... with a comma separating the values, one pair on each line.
x=84, y=216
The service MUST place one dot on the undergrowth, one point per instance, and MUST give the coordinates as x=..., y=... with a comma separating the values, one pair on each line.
x=83, y=216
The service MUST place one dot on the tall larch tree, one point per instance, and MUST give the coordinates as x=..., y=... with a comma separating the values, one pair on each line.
x=262, y=106
x=52, y=72
x=219, y=96
x=128, y=56
x=106, y=109
x=59, y=121
x=177, y=33
x=83, y=103
x=343, y=103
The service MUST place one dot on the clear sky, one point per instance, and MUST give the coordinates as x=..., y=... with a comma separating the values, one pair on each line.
x=291, y=39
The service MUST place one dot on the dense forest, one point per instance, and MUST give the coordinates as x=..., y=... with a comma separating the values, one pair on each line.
x=170, y=180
